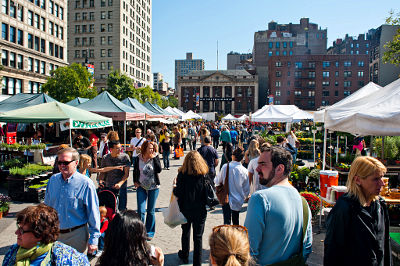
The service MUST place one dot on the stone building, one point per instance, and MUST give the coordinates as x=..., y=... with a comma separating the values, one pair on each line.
x=33, y=43
x=184, y=66
x=223, y=91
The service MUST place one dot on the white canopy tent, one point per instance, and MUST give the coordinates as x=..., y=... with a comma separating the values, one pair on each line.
x=171, y=110
x=243, y=118
x=368, y=90
x=281, y=113
x=184, y=115
x=229, y=118
x=192, y=115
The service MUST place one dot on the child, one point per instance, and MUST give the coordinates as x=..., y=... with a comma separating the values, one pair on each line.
x=165, y=149
x=103, y=228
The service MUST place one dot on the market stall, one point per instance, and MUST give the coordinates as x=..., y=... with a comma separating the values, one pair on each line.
x=77, y=101
x=229, y=117
x=22, y=100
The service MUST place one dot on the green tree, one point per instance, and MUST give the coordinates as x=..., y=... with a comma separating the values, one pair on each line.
x=392, y=53
x=121, y=86
x=70, y=82
x=172, y=101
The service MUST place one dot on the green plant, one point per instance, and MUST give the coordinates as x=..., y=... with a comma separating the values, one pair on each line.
x=23, y=147
x=391, y=150
x=14, y=146
x=12, y=163
x=314, y=175
x=40, y=146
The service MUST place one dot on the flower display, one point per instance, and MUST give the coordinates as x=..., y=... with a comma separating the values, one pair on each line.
x=313, y=201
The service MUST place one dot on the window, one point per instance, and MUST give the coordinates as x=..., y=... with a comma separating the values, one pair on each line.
x=37, y=66
x=30, y=17
x=103, y=27
x=311, y=93
x=36, y=43
x=361, y=83
x=325, y=74
x=42, y=24
x=51, y=7
x=311, y=64
x=336, y=93
x=43, y=45
x=77, y=29
x=84, y=28
x=56, y=30
x=311, y=84
x=278, y=64
x=13, y=37
x=102, y=40
x=84, y=41
x=51, y=28
x=30, y=41
x=277, y=44
x=20, y=13
x=360, y=74
x=91, y=41
x=103, y=53
x=326, y=64
x=324, y=103
x=110, y=27
x=110, y=2
x=30, y=64
x=347, y=63
x=84, y=53
x=298, y=65
x=20, y=61
x=4, y=31
x=290, y=44
x=347, y=84
x=277, y=102
x=56, y=50
x=84, y=16
x=284, y=44
x=336, y=83
x=77, y=16
x=77, y=53
x=37, y=21
x=270, y=53
x=109, y=40
x=91, y=16
x=360, y=63
x=284, y=52
x=270, y=45
x=4, y=58
x=297, y=74
x=103, y=3
x=347, y=74
x=4, y=6
x=346, y=93
x=56, y=10
x=325, y=83
x=297, y=93
x=109, y=52
x=109, y=15
x=12, y=11
x=61, y=13
x=77, y=41
x=103, y=15
x=325, y=93
x=276, y=52
x=278, y=74
x=61, y=33
x=91, y=28
x=103, y=65
x=43, y=67
x=91, y=3
x=311, y=74
x=290, y=52
x=110, y=65
x=277, y=83
x=77, y=4
x=277, y=93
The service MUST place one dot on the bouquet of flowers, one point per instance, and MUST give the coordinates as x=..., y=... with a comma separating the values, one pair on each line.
x=313, y=201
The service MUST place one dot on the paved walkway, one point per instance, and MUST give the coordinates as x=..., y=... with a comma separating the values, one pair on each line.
x=166, y=238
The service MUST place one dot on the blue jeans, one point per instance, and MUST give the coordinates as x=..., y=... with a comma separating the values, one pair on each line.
x=165, y=157
x=142, y=196
x=123, y=197
x=101, y=241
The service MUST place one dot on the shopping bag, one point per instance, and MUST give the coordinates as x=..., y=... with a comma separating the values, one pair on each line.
x=172, y=215
x=179, y=152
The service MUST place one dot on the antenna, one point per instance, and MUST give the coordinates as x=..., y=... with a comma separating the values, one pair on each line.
x=217, y=55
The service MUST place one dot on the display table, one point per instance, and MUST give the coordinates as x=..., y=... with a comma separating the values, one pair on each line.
x=389, y=200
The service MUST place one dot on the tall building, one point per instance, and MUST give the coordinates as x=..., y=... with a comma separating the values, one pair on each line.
x=285, y=40
x=184, y=66
x=33, y=43
x=223, y=91
x=351, y=45
x=111, y=35
x=311, y=81
x=237, y=60
x=381, y=73
x=158, y=83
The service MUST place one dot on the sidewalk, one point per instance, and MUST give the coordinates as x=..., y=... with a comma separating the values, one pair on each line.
x=166, y=238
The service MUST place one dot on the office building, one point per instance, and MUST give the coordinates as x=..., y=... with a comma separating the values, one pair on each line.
x=224, y=91
x=111, y=35
x=184, y=66
x=311, y=81
x=33, y=43
x=238, y=61
x=285, y=40
x=158, y=83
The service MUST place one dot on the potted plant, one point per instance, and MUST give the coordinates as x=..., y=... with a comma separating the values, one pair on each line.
x=4, y=204
x=23, y=148
x=313, y=201
x=13, y=147
x=3, y=146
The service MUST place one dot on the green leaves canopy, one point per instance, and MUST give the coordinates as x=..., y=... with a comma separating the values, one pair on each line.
x=392, y=53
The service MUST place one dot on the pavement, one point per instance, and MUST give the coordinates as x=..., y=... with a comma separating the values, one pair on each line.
x=166, y=238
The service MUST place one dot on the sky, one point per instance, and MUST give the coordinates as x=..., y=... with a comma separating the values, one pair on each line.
x=181, y=26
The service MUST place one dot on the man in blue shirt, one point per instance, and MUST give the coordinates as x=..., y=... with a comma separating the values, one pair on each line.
x=275, y=215
x=215, y=134
x=74, y=197
x=234, y=137
x=210, y=155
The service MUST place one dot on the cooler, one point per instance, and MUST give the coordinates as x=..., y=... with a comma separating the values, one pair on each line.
x=327, y=179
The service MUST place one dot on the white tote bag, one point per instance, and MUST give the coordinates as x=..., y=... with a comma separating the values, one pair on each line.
x=172, y=215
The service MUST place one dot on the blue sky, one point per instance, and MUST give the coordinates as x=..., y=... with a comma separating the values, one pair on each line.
x=181, y=26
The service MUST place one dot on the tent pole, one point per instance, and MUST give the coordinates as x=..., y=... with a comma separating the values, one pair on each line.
x=124, y=135
x=337, y=149
x=144, y=130
x=324, y=150
x=383, y=148
x=70, y=133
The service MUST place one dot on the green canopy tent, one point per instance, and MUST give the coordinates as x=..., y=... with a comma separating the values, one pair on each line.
x=24, y=100
x=57, y=112
x=77, y=101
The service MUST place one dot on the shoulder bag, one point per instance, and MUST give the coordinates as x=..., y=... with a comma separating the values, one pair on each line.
x=211, y=197
x=298, y=259
x=223, y=188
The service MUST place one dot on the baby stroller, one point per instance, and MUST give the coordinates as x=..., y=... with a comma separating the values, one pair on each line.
x=108, y=199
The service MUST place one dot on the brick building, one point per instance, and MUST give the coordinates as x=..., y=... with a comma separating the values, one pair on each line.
x=311, y=81
x=351, y=45
x=223, y=91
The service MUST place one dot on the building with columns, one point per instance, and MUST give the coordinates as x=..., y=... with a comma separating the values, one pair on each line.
x=222, y=91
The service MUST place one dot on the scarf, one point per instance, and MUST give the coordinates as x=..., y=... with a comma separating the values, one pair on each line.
x=25, y=256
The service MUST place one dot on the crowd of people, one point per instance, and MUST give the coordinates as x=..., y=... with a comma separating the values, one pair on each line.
x=278, y=222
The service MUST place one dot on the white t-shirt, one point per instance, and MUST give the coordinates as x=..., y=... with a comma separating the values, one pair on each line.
x=292, y=140
x=255, y=185
x=134, y=141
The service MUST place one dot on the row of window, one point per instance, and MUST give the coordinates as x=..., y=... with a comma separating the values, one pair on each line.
x=90, y=3
x=56, y=10
x=139, y=74
x=312, y=93
x=313, y=64
x=13, y=86
x=280, y=44
x=84, y=15
x=284, y=53
x=311, y=84
x=325, y=74
x=358, y=45
x=84, y=53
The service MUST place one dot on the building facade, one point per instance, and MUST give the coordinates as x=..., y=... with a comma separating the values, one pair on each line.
x=33, y=43
x=285, y=40
x=311, y=81
x=111, y=35
x=159, y=84
x=237, y=60
x=224, y=91
x=184, y=66
x=351, y=45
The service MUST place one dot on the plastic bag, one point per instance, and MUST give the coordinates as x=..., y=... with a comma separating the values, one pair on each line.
x=172, y=215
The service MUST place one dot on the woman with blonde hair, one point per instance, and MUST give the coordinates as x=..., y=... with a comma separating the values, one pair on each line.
x=85, y=162
x=358, y=225
x=229, y=246
x=191, y=194
x=252, y=152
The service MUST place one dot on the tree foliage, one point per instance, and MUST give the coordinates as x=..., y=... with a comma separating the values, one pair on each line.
x=70, y=82
x=392, y=53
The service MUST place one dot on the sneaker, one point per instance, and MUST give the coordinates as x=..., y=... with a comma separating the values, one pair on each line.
x=98, y=254
x=184, y=259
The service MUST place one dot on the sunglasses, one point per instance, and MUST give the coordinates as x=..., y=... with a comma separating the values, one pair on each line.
x=22, y=231
x=236, y=226
x=65, y=162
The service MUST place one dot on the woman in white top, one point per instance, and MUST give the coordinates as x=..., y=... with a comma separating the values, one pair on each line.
x=238, y=186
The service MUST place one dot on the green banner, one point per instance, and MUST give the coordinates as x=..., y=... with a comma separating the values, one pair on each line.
x=86, y=125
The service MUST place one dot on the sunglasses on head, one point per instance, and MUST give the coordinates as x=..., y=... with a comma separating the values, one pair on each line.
x=236, y=226
x=65, y=162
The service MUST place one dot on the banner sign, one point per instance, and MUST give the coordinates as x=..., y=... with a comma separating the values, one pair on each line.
x=217, y=99
x=64, y=125
x=197, y=99
x=270, y=99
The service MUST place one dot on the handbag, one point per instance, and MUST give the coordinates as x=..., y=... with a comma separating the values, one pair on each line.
x=172, y=215
x=179, y=152
x=298, y=259
x=211, y=197
x=222, y=190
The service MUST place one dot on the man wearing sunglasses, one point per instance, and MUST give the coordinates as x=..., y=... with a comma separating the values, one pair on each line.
x=275, y=214
x=74, y=197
